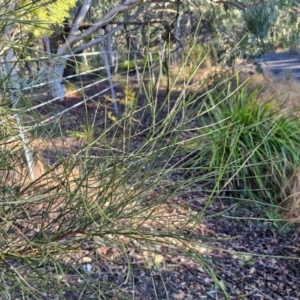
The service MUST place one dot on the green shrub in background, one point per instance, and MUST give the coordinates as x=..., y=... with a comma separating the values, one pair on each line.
x=199, y=53
x=252, y=147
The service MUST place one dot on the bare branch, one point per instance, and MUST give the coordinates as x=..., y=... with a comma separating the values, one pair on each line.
x=237, y=4
x=124, y=23
x=80, y=16
x=73, y=39
x=97, y=40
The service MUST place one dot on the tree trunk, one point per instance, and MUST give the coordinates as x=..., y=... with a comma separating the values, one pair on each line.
x=58, y=63
x=55, y=80
x=14, y=79
x=55, y=72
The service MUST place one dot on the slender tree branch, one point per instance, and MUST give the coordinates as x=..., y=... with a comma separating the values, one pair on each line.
x=124, y=23
x=237, y=4
x=73, y=39
x=80, y=16
x=96, y=41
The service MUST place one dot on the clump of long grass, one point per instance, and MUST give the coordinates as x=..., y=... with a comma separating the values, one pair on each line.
x=251, y=145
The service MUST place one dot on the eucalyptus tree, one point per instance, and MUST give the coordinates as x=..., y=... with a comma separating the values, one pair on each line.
x=245, y=28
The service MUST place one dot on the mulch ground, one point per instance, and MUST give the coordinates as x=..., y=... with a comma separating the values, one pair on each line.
x=250, y=257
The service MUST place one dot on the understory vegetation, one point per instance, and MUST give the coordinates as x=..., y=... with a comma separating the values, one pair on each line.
x=111, y=196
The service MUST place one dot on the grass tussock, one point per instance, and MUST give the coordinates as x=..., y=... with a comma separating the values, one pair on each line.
x=251, y=146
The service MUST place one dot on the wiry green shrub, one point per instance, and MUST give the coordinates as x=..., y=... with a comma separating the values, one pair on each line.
x=111, y=191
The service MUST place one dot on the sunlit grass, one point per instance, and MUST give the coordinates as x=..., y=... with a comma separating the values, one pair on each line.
x=250, y=144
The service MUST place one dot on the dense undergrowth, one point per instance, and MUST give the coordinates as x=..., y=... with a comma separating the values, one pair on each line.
x=112, y=190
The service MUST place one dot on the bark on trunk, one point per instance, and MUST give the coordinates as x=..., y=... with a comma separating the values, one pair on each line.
x=14, y=88
x=57, y=64
x=55, y=79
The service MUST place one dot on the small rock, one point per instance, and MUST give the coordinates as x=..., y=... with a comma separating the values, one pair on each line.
x=86, y=260
x=87, y=268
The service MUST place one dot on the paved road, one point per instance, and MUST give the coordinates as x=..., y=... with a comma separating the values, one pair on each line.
x=283, y=63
